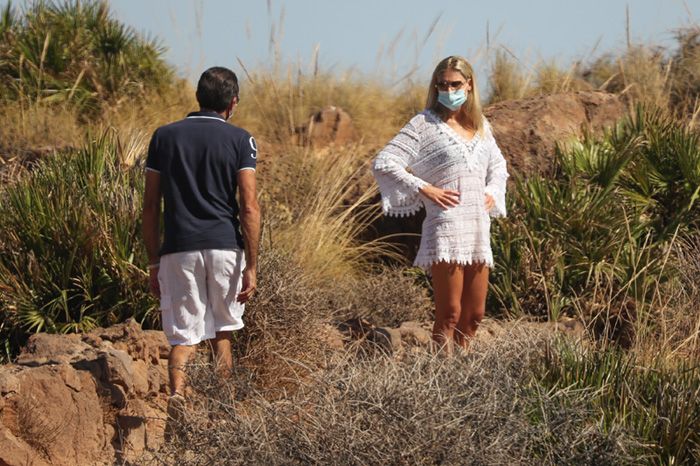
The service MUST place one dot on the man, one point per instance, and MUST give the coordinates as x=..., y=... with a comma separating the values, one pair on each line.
x=200, y=273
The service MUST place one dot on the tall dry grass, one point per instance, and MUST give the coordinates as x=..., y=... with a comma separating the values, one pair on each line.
x=488, y=407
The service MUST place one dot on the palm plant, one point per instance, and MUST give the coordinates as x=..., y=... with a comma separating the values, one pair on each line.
x=70, y=246
x=76, y=51
x=608, y=215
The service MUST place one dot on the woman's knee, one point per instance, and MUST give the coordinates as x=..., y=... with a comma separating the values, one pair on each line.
x=449, y=315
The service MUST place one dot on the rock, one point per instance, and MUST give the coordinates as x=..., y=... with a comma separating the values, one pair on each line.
x=330, y=125
x=153, y=380
x=9, y=383
x=415, y=334
x=52, y=405
x=48, y=419
x=16, y=452
x=70, y=377
x=162, y=369
x=131, y=423
x=527, y=130
x=389, y=339
x=140, y=377
x=356, y=328
x=156, y=345
x=155, y=425
x=148, y=345
x=45, y=348
x=118, y=368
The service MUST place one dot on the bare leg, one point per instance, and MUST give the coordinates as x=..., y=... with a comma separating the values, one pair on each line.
x=448, y=280
x=179, y=355
x=222, y=353
x=476, y=285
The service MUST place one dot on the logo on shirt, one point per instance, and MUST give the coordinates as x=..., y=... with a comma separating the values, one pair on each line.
x=254, y=147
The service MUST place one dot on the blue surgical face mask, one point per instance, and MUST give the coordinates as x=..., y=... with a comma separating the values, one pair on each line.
x=452, y=99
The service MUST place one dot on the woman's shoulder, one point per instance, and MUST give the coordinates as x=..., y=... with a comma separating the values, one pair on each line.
x=420, y=120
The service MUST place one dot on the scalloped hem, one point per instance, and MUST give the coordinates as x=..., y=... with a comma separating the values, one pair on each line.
x=402, y=211
x=425, y=265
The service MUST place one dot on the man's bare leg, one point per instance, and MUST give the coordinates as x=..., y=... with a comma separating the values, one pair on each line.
x=222, y=353
x=179, y=356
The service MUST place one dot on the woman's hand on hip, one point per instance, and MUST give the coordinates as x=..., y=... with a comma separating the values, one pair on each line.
x=489, y=202
x=445, y=198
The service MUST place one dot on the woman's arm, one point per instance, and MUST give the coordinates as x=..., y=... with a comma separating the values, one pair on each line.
x=399, y=187
x=496, y=177
x=392, y=162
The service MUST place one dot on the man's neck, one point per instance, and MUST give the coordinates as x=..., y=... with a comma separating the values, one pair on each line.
x=207, y=110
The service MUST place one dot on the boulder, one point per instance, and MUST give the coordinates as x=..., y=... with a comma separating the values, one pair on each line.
x=527, y=130
x=330, y=125
x=96, y=398
x=148, y=345
x=45, y=348
x=59, y=424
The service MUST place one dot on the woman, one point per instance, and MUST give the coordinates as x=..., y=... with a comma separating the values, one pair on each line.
x=447, y=160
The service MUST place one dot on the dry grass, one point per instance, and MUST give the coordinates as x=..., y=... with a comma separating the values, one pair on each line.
x=678, y=316
x=281, y=344
x=641, y=74
x=31, y=131
x=317, y=204
x=276, y=105
x=482, y=408
x=386, y=298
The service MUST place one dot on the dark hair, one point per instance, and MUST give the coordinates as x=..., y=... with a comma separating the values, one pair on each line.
x=216, y=87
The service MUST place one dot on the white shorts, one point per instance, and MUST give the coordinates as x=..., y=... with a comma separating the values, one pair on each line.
x=198, y=294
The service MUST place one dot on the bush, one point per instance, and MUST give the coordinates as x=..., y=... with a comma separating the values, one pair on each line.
x=282, y=341
x=659, y=403
x=70, y=250
x=599, y=233
x=77, y=52
x=387, y=297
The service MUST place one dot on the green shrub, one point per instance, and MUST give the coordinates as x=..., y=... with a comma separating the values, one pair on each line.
x=659, y=403
x=70, y=248
x=599, y=231
x=77, y=52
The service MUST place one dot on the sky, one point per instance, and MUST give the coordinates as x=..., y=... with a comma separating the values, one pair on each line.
x=388, y=39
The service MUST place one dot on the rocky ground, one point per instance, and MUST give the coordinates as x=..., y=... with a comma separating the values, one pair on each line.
x=100, y=398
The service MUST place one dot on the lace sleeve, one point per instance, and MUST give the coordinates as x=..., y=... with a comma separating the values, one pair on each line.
x=399, y=188
x=496, y=177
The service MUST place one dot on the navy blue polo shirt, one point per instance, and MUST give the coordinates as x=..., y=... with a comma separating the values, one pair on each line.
x=198, y=159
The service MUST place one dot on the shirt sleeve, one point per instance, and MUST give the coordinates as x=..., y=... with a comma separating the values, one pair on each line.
x=399, y=188
x=247, y=153
x=496, y=177
x=153, y=160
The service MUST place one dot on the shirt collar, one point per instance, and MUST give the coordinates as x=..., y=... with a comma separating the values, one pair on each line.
x=206, y=116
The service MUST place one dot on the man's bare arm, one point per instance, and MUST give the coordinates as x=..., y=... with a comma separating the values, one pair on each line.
x=250, y=224
x=150, y=219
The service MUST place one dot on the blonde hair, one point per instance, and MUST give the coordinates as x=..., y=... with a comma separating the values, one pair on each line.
x=472, y=108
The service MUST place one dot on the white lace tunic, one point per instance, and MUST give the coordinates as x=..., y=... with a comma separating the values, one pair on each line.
x=427, y=150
